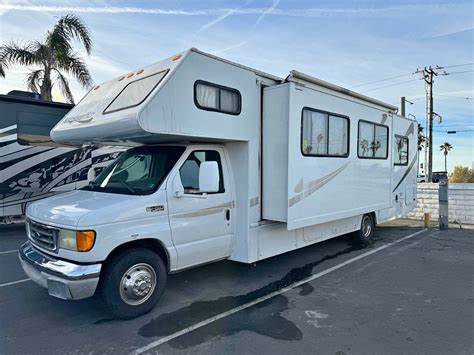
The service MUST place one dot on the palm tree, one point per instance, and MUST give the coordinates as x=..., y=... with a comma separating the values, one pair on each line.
x=445, y=148
x=421, y=137
x=51, y=58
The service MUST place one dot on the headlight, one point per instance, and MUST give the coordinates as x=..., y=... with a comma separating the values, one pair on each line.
x=76, y=240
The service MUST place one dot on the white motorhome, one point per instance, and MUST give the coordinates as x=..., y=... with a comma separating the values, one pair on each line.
x=228, y=163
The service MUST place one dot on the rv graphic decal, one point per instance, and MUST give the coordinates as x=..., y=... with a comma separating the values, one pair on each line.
x=412, y=163
x=206, y=211
x=313, y=186
x=29, y=173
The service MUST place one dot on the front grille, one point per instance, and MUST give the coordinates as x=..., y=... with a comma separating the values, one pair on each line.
x=42, y=235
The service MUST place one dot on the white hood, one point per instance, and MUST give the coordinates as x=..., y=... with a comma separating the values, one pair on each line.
x=88, y=208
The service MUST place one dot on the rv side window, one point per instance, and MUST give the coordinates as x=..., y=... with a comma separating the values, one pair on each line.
x=401, y=150
x=189, y=171
x=135, y=92
x=372, y=141
x=324, y=134
x=213, y=97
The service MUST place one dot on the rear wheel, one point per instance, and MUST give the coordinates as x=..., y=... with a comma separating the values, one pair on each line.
x=133, y=282
x=364, y=234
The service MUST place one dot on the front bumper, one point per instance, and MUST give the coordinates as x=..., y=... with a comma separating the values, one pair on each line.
x=63, y=279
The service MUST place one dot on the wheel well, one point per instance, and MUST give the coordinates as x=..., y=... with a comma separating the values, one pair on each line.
x=151, y=244
x=374, y=217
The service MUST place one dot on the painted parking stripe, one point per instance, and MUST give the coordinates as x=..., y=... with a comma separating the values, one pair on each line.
x=270, y=295
x=14, y=282
x=9, y=251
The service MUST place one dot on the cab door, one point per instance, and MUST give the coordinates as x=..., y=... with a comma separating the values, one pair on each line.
x=201, y=223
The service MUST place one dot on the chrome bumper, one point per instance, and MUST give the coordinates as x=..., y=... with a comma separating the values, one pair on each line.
x=62, y=279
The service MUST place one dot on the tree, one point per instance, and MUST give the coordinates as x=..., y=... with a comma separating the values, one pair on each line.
x=421, y=143
x=51, y=58
x=462, y=174
x=421, y=137
x=445, y=148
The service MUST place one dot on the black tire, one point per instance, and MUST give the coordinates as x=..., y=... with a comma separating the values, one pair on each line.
x=364, y=234
x=142, y=266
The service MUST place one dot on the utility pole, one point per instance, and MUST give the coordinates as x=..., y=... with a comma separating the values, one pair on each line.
x=428, y=75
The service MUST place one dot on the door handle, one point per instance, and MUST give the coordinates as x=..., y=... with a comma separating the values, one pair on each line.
x=227, y=214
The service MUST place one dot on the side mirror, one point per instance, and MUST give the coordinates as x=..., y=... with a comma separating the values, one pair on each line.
x=91, y=174
x=209, y=177
x=178, y=189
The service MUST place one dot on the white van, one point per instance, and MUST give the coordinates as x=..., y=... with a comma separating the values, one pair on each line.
x=226, y=163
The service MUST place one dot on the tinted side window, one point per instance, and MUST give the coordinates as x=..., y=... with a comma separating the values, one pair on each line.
x=401, y=150
x=189, y=171
x=213, y=97
x=372, y=141
x=324, y=134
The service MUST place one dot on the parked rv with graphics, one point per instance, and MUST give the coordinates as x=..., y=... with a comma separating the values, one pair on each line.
x=228, y=163
x=33, y=167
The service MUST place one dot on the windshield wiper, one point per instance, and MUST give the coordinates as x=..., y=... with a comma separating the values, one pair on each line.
x=126, y=184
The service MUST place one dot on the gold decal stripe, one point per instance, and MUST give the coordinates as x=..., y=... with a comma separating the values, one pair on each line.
x=205, y=211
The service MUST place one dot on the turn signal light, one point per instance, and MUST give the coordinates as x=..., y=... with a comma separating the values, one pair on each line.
x=85, y=240
x=130, y=75
x=139, y=72
x=176, y=57
x=121, y=78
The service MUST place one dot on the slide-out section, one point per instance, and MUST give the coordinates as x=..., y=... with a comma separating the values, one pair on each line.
x=326, y=157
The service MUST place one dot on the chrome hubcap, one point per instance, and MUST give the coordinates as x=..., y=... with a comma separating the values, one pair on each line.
x=137, y=284
x=366, y=226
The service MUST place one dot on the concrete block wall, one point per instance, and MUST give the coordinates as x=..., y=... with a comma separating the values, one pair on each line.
x=461, y=202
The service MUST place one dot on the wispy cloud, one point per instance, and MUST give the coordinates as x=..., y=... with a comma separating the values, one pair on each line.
x=234, y=46
x=223, y=12
x=260, y=18
x=217, y=20
x=267, y=11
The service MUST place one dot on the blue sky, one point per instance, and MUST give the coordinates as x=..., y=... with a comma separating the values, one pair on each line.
x=348, y=43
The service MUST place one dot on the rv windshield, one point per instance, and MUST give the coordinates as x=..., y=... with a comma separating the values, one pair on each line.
x=138, y=171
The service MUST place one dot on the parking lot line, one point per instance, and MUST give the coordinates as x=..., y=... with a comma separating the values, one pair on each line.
x=14, y=282
x=205, y=322
x=9, y=251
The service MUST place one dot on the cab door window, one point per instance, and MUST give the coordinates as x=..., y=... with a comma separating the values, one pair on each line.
x=189, y=171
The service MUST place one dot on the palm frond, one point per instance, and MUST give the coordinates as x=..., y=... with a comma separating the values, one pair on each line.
x=64, y=87
x=43, y=53
x=13, y=53
x=33, y=80
x=74, y=65
x=67, y=28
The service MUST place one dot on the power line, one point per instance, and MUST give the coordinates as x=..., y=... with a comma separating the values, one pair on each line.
x=455, y=131
x=457, y=65
x=455, y=125
x=457, y=72
x=408, y=74
x=381, y=80
x=386, y=86
x=455, y=97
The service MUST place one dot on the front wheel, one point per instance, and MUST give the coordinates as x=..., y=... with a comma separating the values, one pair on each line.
x=363, y=235
x=133, y=282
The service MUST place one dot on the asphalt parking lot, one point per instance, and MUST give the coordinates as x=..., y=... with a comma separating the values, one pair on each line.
x=397, y=295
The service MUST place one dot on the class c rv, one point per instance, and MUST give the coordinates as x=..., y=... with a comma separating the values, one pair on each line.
x=225, y=162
